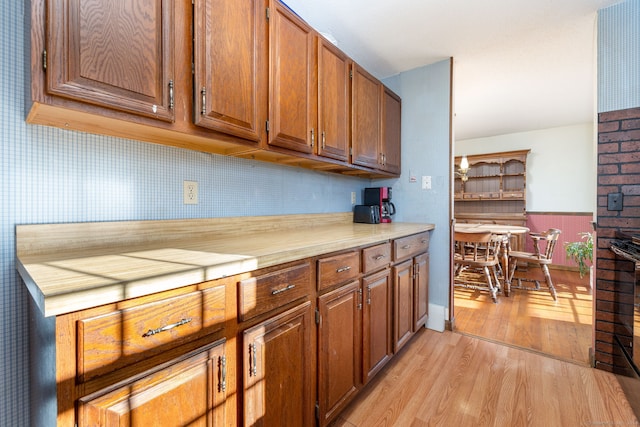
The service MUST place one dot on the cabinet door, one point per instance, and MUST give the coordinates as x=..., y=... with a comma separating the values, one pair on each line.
x=190, y=391
x=421, y=290
x=333, y=101
x=231, y=67
x=365, y=126
x=390, y=143
x=119, y=56
x=339, y=349
x=292, y=85
x=403, y=304
x=376, y=324
x=277, y=365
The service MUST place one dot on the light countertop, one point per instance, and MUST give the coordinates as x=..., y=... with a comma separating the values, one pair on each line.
x=70, y=267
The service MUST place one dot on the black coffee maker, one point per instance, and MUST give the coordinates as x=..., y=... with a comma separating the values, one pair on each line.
x=381, y=197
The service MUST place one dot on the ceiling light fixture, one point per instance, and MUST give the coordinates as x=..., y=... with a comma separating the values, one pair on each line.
x=464, y=169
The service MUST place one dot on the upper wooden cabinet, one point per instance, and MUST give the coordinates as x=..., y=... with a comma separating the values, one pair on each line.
x=333, y=101
x=365, y=121
x=391, y=124
x=375, y=123
x=231, y=67
x=241, y=78
x=292, y=84
x=115, y=57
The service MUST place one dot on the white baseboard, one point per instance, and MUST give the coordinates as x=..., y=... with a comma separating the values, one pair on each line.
x=437, y=317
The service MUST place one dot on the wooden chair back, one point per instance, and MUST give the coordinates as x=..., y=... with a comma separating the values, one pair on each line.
x=476, y=247
x=550, y=237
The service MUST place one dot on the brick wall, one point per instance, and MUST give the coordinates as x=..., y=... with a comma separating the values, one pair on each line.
x=618, y=172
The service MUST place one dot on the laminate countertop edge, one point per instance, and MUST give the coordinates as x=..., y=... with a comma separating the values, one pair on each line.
x=62, y=281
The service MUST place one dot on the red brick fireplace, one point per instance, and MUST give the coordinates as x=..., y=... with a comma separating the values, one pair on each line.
x=618, y=174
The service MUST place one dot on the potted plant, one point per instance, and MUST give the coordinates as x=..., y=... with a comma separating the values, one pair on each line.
x=581, y=252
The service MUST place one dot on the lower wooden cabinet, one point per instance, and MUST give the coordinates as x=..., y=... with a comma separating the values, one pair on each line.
x=377, y=323
x=339, y=349
x=188, y=391
x=277, y=370
x=421, y=290
x=403, y=304
x=242, y=350
x=411, y=298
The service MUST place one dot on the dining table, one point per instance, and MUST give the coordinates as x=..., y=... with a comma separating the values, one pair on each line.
x=504, y=232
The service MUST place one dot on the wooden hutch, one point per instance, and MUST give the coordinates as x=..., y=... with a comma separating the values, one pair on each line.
x=494, y=191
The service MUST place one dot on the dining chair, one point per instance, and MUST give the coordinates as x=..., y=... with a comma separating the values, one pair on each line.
x=540, y=257
x=477, y=251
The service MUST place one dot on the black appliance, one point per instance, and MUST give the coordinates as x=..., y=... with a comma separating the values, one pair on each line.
x=366, y=214
x=626, y=360
x=380, y=197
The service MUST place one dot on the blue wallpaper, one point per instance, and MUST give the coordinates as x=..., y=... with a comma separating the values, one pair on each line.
x=50, y=175
x=619, y=56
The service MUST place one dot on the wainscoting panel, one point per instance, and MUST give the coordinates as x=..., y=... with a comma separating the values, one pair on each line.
x=571, y=225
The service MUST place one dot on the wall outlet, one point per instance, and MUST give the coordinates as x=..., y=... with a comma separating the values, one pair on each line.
x=353, y=197
x=190, y=192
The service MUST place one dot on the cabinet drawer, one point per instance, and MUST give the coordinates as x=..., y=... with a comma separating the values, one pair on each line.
x=409, y=246
x=338, y=269
x=376, y=257
x=261, y=294
x=514, y=194
x=112, y=341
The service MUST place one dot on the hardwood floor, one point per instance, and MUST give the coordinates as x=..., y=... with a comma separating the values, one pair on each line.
x=451, y=379
x=533, y=320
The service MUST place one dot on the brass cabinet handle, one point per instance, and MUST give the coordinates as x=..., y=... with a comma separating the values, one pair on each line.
x=286, y=288
x=203, y=93
x=253, y=369
x=379, y=257
x=223, y=374
x=406, y=246
x=151, y=332
x=171, y=94
x=324, y=141
x=343, y=269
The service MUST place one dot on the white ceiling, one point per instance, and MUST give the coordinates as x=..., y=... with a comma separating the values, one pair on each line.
x=519, y=65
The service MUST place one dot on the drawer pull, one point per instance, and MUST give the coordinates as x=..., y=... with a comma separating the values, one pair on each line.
x=343, y=269
x=151, y=332
x=406, y=247
x=281, y=290
x=379, y=257
x=423, y=241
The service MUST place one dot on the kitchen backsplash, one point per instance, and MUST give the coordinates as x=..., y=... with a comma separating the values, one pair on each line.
x=50, y=175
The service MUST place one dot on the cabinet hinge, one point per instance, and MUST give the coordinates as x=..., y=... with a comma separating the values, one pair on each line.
x=318, y=411
x=317, y=316
x=44, y=60
x=268, y=13
x=351, y=74
x=266, y=126
x=351, y=151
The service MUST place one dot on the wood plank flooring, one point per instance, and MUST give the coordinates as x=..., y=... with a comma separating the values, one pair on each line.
x=533, y=320
x=452, y=379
